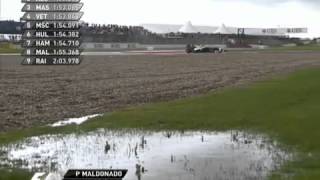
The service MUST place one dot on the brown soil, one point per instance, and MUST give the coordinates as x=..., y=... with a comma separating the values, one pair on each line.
x=39, y=95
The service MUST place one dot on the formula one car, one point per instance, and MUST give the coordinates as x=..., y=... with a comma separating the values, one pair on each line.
x=203, y=49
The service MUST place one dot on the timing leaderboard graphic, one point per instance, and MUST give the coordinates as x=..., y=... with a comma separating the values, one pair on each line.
x=51, y=32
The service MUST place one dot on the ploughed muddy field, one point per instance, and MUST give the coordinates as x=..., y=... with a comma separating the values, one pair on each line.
x=40, y=95
x=150, y=155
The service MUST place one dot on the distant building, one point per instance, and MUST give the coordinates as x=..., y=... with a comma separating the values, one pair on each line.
x=318, y=40
x=223, y=29
x=10, y=31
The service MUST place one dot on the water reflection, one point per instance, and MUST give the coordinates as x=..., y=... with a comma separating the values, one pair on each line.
x=150, y=155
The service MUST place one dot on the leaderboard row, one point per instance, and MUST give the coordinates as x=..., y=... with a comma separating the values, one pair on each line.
x=68, y=7
x=58, y=60
x=31, y=34
x=51, y=1
x=48, y=25
x=52, y=16
x=52, y=32
x=52, y=52
x=40, y=43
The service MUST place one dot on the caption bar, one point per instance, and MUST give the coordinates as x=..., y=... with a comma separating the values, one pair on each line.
x=95, y=174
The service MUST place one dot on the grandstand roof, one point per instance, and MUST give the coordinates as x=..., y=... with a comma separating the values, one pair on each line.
x=188, y=28
x=173, y=28
x=161, y=28
x=223, y=30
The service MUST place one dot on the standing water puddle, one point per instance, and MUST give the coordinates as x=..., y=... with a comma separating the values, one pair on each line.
x=150, y=155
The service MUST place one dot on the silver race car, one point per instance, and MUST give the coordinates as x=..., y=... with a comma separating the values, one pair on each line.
x=190, y=48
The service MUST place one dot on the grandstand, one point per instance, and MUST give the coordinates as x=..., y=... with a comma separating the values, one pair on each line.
x=10, y=31
x=223, y=29
x=175, y=34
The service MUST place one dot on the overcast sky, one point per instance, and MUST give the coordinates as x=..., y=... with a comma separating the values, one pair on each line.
x=239, y=13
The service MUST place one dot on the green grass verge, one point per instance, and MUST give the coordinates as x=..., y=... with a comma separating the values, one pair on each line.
x=15, y=174
x=8, y=48
x=286, y=108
